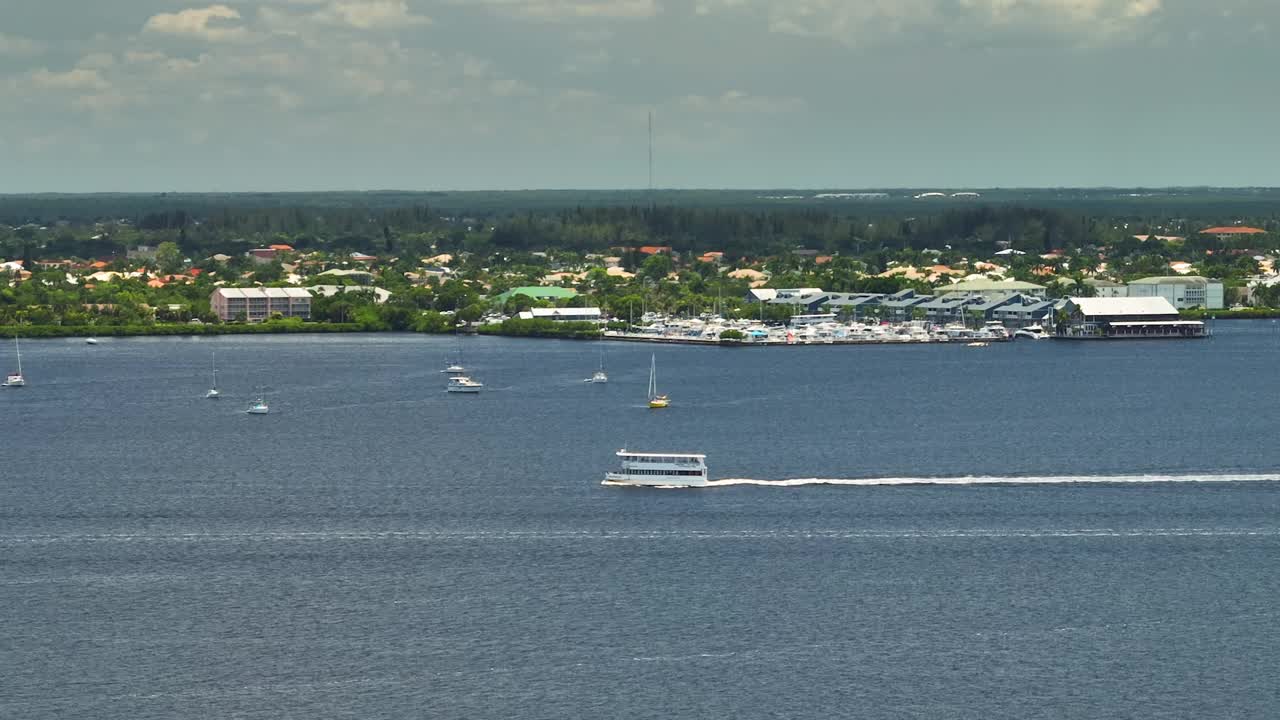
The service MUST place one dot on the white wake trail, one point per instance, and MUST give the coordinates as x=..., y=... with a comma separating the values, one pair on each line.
x=1006, y=480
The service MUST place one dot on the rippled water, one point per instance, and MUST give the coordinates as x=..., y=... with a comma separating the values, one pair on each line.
x=1097, y=536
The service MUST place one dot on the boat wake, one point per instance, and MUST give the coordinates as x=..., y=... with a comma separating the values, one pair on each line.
x=1006, y=480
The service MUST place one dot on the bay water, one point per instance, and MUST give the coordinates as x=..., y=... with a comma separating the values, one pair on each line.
x=1026, y=530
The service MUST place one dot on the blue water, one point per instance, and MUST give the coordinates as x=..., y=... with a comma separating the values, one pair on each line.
x=376, y=548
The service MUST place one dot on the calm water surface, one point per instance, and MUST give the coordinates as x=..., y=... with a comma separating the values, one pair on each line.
x=376, y=548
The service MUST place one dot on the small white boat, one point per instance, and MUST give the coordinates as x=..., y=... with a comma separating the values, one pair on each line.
x=455, y=369
x=91, y=341
x=259, y=406
x=659, y=470
x=463, y=384
x=977, y=344
x=213, y=393
x=15, y=379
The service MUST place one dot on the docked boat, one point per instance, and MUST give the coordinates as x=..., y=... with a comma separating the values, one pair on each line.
x=996, y=329
x=15, y=379
x=656, y=401
x=659, y=470
x=1031, y=332
x=463, y=384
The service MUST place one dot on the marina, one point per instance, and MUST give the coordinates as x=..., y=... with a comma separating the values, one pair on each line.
x=821, y=329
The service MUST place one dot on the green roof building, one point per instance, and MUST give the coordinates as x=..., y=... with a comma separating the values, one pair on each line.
x=539, y=292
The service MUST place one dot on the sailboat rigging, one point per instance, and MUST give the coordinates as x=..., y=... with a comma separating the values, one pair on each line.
x=656, y=401
x=15, y=379
x=213, y=393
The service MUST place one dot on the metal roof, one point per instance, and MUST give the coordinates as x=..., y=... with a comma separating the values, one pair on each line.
x=261, y=293
x=1172, y=280
x=1124, y=306
x=988, y=286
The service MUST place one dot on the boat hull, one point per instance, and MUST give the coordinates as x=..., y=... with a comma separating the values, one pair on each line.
x=614, y=478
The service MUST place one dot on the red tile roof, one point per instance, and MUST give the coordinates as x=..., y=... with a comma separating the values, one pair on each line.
x=1232, y=230
x=655, y=249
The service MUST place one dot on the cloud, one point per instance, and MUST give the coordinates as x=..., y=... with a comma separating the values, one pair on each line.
x=877, y=22
x=740, y=102
x=203, y=23
x=566, y=10
x=15, y=46
x=370, y=14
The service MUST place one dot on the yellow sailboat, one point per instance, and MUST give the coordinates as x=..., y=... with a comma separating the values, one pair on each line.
x=656, y=401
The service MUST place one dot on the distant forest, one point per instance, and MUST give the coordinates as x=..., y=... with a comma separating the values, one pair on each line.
x=739, y=223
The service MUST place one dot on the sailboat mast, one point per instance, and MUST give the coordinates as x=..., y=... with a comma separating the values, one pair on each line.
x=18, y=349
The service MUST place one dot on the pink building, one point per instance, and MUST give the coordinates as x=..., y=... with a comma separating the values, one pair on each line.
x=257, y=304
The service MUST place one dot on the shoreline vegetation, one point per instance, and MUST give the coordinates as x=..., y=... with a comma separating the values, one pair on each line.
x=138, y=265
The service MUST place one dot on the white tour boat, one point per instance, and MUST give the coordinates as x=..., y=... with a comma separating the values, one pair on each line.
x=463, y=384
x=15, y=379
x=659, y=470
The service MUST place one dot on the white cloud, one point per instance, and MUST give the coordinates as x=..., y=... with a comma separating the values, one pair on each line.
x=565, y=10
x=872, y=22
x=207, y=23
x=15, y=46
x=740, y=102
x=371, y=14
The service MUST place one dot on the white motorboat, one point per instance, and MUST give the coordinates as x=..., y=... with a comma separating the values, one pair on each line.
x=91, y=341
x=455, y=369
x=463, y=384
x=15, y=379
x=659, y=470
x=1031, y=332
x=259, y=407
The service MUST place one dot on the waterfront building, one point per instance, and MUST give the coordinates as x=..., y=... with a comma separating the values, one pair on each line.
x=1182, y=291
x=576, y=314
x=257, y=304
x=1131, y=317
x=900, y=306
x=1023, y=312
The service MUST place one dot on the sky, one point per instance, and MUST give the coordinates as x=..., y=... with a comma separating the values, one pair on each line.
x=275, y=95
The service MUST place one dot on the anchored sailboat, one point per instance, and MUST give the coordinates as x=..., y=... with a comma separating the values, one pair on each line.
x=15, y=379
x=213, y=393
x=656, y=401
x=599, y=376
